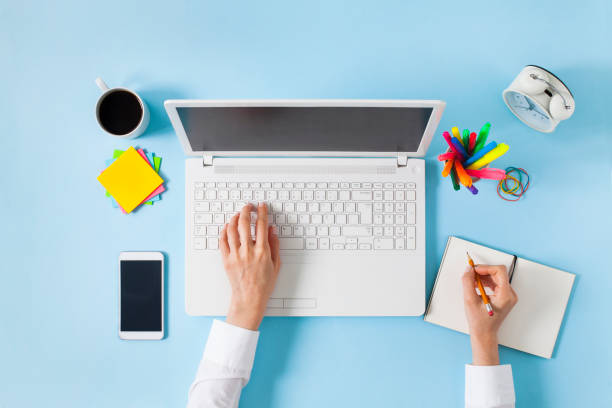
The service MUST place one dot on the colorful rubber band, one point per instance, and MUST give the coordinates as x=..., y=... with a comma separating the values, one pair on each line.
x=515, y=190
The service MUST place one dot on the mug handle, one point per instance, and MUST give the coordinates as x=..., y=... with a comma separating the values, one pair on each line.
x=102, y=85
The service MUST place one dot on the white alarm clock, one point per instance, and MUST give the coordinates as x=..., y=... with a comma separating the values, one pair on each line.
x=539, y=98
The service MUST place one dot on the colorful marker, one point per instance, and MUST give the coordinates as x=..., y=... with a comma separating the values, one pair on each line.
x=446, y=156
x=455, y=131
x=457, y=143
x=480, y=154
x=447, y=167
x=466, y=139
x=467, y=156
x=455, y=179
x=472, y=143
x=482, y=137
x=491, y=174
x=494, y=154
x=464, y=178
x=448, y=139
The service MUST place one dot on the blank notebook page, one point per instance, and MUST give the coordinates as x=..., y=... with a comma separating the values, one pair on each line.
x=534, y=323
x=446, y=304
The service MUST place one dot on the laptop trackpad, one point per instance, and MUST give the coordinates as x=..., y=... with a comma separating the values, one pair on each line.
x=310, y=276
x=313, y=258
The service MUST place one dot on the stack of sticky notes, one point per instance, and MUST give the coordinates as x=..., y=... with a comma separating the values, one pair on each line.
x=131, y=178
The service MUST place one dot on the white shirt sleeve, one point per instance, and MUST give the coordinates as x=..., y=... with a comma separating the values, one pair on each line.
x=225, y=367
x=489, y=386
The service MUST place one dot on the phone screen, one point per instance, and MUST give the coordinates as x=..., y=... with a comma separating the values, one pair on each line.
x=141, y=295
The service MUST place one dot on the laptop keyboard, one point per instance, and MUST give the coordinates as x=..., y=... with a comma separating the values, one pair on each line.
x=313, y=216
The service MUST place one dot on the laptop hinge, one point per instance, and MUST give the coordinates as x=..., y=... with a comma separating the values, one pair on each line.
x=402, y=160
x=207, y=160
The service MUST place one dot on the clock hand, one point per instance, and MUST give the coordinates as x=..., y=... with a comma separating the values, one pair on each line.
x=522, y=108
x=541, y=115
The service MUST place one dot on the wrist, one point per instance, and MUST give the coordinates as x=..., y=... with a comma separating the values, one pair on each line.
x=247, y=316
x=484, y=349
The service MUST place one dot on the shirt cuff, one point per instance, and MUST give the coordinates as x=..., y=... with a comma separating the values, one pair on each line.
x=489, y=386
x=231, y=346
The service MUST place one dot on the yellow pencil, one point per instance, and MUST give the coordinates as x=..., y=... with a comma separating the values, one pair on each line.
x=483, y=295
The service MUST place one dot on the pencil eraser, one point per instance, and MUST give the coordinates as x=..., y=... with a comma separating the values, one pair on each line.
x=490, y=313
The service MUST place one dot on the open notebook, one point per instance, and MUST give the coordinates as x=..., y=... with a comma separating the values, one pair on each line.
x=533, y=325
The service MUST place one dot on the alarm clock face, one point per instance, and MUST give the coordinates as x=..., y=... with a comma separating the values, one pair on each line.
x=529, y=111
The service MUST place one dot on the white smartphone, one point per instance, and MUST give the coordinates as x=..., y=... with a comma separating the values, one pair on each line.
x=141, y=295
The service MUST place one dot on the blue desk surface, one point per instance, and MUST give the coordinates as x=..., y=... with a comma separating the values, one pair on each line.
x=60, y=236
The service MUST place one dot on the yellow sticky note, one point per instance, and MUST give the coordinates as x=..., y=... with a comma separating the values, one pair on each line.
x=130, y=179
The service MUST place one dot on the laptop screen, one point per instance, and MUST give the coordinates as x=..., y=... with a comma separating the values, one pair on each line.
x=296, y=128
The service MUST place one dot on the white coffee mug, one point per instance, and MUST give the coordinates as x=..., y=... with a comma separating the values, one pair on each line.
x=121, y=112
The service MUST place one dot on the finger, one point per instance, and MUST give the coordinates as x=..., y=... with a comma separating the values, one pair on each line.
x=262, y=226
x=274, y=247
x=244, y=226
x=223, y=244
x=469, y=294
x=502, y=291
x=487, y=282
x=498, y=273
x=514, y=297
x=233, y=238
x=503, y=295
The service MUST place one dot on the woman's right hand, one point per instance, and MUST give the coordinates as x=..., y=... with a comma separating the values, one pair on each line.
x=484, y=328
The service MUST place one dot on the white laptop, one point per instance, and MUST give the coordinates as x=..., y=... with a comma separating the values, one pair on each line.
x=345, y=188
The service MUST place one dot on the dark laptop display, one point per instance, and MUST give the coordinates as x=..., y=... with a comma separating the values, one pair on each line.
x=365, y=129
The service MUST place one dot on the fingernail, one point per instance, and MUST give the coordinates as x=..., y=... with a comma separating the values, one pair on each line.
x=261, y=204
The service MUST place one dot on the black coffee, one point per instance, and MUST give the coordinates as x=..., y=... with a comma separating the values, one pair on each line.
x=120, y=112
